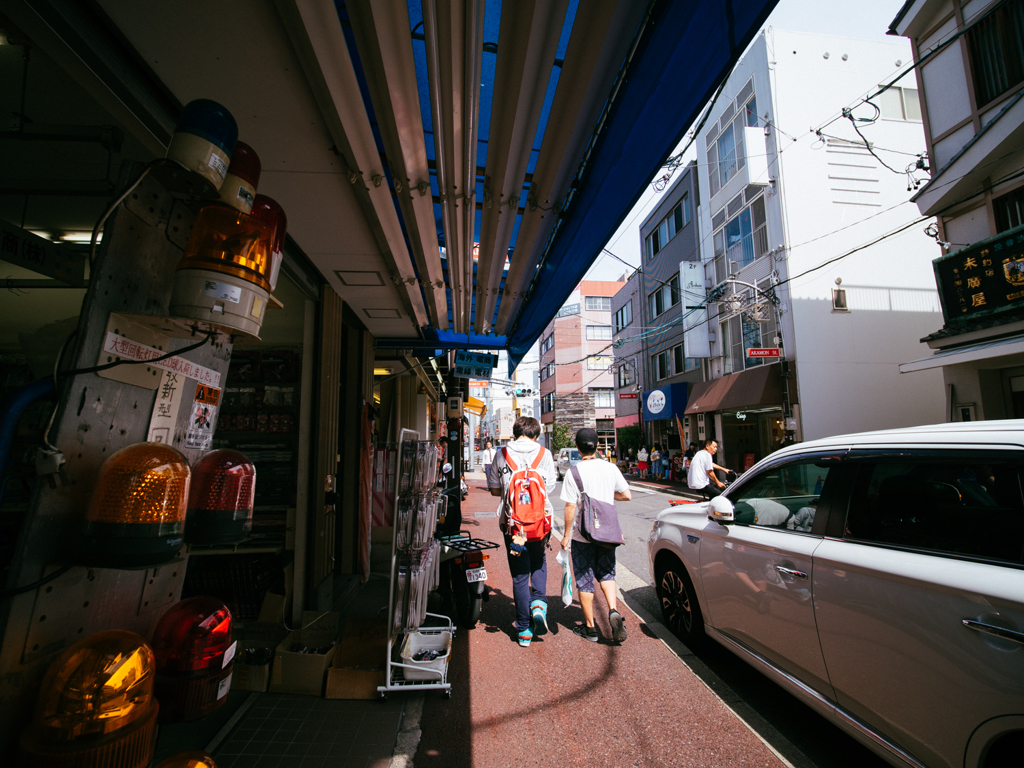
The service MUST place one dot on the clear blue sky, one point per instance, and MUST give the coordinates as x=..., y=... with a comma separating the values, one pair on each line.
x=865, y=19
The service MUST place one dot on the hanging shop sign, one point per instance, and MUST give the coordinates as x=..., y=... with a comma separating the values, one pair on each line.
x=18, y=246
x=696, y=338
x=665, y=402
x=983, y=279
x=474, y=365
x=763, y=352
x=627, y=396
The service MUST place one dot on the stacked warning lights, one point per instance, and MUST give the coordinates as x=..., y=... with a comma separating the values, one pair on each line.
x=234, y=254
x=220, y=501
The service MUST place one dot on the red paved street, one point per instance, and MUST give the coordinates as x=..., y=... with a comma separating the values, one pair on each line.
x=566, y=702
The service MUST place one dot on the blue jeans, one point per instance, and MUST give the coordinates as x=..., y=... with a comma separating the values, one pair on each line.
x=529, y=578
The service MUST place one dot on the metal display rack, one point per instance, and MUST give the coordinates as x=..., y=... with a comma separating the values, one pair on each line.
x=415, y=564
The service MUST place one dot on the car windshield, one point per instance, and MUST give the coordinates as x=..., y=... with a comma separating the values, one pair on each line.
x=574, y=455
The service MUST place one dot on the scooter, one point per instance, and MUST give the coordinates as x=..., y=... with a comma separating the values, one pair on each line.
x=464, y=575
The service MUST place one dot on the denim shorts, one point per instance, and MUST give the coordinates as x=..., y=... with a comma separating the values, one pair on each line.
x=590, y=562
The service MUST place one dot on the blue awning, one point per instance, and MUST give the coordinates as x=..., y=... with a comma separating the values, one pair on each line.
x=665, y=402
x=687, y=49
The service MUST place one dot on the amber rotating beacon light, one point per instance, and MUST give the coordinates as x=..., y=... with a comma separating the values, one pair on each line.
x=224, y=278
x=137, y=514
x=96, y=706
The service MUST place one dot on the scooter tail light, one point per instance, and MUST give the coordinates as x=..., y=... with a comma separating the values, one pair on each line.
x=136, y=515
x=96, y=706
x=194, y=658
x=221, y=498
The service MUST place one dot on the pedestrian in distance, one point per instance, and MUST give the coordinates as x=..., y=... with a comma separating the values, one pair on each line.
x=591, y=562
x=655, y=457
x=701, y=476
x=520, y=475
x=641, y=462
x=487, y=457
x=666, y=461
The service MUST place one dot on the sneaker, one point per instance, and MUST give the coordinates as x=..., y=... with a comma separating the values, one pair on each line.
x=618, y=626
x=587, y=633
x=525, y=636
x=539, y=613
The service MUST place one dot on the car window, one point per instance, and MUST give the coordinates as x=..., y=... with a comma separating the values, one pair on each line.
x=574, y=456
x=784, y=497
x=952, y=506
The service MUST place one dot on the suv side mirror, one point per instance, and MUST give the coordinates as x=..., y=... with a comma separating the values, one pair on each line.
x=721, y=510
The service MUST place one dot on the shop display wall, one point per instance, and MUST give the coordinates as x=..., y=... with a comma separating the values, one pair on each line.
x=96, y=417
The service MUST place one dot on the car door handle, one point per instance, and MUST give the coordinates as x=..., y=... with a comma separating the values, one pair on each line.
x=790, y=572
x=989, y=629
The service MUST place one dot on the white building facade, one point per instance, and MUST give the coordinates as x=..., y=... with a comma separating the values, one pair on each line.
x=783, y=209
x=971, y=74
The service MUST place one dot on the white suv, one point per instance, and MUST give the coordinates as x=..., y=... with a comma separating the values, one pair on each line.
x=878, y=577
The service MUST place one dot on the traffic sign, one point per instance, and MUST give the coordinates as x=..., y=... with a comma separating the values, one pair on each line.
x=763, y=352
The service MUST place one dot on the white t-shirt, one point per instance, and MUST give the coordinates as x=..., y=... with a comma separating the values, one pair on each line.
x=601, y=479
x=701, y=466
x=488, y=455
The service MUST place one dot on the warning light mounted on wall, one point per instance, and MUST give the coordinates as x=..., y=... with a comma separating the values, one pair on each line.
x=203, y=142
x=194, y=659
x=136, y=517
x=96, y=706
x=221, y=497
x=224, y=277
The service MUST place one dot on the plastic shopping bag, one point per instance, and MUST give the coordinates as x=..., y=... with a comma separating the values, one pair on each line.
x=563, y=560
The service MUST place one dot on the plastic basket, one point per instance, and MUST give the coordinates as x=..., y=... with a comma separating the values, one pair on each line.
x=426, y=670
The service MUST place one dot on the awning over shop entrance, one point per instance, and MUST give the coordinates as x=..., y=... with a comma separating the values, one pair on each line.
x=973, y=353
x=665, y=402
x=758, y=386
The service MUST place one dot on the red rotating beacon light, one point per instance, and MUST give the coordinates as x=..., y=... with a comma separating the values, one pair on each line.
x=194, y=654
x=220, y=499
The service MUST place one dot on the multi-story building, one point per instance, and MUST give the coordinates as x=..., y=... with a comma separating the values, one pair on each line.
x=629, y=352
x=815, y=298
x=576, y=382
x=970, y=72
x=669, y=242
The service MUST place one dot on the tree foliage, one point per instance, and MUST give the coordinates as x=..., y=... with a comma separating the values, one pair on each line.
x=628, y=437
x=561, y=437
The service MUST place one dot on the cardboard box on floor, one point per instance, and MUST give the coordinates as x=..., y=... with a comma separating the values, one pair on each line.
x=266, y=632
x=303, y=673
x=359, y=660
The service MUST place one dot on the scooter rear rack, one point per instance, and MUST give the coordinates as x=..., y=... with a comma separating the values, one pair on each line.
x=464, y=543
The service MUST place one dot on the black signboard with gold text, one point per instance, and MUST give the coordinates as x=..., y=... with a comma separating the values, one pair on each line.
x=982, y=279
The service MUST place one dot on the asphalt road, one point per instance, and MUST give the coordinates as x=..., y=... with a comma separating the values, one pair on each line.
x=795, y=731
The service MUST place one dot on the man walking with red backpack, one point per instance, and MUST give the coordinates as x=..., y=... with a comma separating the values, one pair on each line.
x=520, y=475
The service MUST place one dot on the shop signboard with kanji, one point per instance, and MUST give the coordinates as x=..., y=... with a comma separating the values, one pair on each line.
x=983, y=279
x=474, y=365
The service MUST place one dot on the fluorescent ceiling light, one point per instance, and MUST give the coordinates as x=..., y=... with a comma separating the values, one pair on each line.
x=79, y=237
x=382, y=371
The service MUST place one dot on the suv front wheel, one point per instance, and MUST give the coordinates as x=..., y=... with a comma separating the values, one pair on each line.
x=679, y=607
